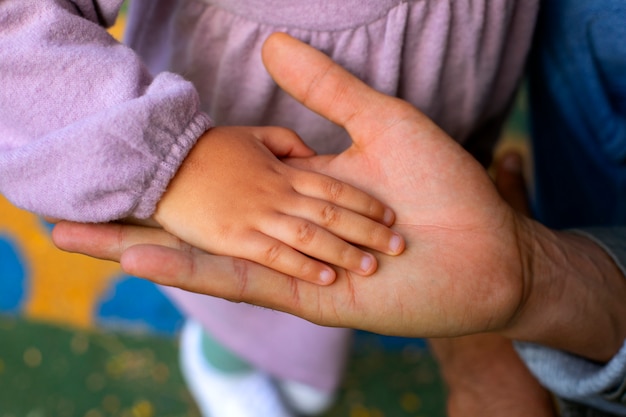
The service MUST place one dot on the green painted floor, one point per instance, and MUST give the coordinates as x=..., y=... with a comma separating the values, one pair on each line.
x=51, y=370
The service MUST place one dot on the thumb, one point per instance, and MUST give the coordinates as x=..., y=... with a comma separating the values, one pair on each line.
x=323, y=86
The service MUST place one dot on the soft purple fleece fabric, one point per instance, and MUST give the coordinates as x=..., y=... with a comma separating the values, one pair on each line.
x=91, y=130
x=86, y=133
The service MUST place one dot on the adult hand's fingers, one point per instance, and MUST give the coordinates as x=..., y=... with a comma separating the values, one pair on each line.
x=325, y=87
x=510, y=181
x=221, y=276
x=162, y=258
x=109, y=241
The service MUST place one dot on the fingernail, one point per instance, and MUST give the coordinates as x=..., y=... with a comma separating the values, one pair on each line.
x=395, y=244
x=327, y=276
x=388, y=217
x=512, y=163
x=366, y=263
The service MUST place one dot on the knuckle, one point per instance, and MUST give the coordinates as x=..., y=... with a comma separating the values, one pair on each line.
x=335, y=190
x=272, y=254
x=240, y=268
x=330, y=214
x=374, y=210
x=306, y=232
x=306, y=269
x=378, y=233
x=294, y=285
x=345, y=253
x=320, y=78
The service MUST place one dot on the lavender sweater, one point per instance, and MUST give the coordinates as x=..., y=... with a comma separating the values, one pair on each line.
x=86, y=133
x=92, y=130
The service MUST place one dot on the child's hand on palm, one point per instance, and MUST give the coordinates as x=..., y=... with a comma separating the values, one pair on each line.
x=233, y=196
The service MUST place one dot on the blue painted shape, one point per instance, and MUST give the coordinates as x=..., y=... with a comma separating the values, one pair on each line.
x=12, y=276
x=389, y=343
x=135, y=303
x=399, y=343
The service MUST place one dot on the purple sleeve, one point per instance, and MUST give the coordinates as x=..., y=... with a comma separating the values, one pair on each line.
x=86, y=133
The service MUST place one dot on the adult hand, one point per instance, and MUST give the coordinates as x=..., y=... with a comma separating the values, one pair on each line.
x=471, y=265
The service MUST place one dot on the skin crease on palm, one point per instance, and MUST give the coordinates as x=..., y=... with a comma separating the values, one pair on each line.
x=472, y=264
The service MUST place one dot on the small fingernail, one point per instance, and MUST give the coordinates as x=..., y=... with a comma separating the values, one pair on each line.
x=327, y=276
x=395, y=244
x=366, y=263
x=388, y=217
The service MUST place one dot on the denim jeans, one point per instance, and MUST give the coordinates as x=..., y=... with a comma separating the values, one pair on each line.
x=577, y=93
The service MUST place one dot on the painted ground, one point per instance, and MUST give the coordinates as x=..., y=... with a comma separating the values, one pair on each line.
x=75, y=342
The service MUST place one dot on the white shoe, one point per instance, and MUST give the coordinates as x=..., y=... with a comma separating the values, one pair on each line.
x=305, y=399
x=221, y=394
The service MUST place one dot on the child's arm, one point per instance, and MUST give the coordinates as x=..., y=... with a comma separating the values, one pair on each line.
x=233, y=196
x=86, y=133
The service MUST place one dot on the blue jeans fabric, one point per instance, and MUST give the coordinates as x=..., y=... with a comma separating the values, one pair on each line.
x=577, y=103
x=577, y=93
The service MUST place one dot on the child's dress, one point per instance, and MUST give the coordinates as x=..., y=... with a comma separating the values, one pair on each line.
x=86, y=133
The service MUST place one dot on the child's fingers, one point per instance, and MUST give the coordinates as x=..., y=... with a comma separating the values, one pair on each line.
x=283, y=142
x=328, y=89
x=110, y=240
x=277, y=255
x=341, y=194
x=347, y=225
x=319, y=243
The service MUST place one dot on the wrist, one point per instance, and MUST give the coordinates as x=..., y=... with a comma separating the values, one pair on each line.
x=573, y=294
x=180, y=193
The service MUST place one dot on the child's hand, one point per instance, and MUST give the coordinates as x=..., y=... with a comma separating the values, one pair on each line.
x=232, y=196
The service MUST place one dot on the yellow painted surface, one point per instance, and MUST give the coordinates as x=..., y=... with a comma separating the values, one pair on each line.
x=60, y=287
x=118, y=29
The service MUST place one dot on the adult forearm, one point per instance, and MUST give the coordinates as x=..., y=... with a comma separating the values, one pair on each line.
x=575, y=295
x=486, y=377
